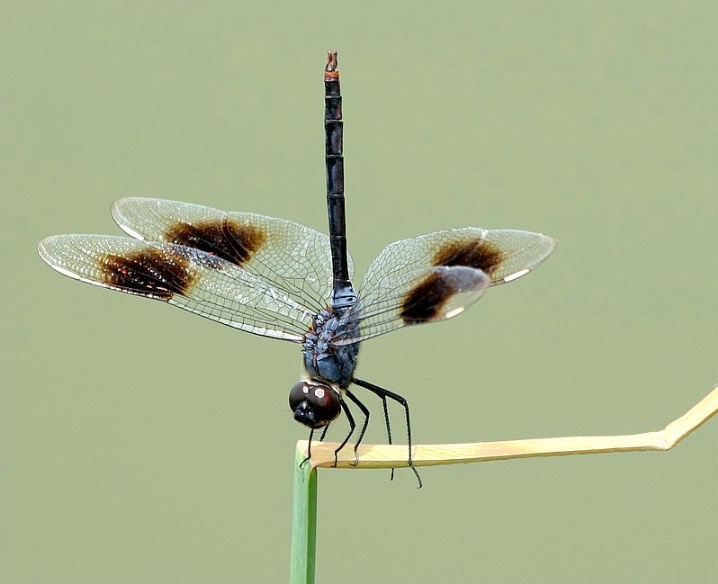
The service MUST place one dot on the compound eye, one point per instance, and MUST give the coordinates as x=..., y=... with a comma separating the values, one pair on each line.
x=314, y=404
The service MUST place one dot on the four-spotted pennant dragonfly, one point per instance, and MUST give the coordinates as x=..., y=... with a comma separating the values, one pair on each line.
x=279, y=279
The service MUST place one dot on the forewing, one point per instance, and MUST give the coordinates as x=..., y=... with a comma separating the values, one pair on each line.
x=193, y=280
x=294, y=258
x=436, y=276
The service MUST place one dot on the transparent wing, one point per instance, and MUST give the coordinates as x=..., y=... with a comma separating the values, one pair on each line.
x=193, y=280
x=437, y=276
x=294, y=258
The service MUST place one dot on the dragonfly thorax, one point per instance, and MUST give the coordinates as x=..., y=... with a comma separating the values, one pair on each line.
x=326, y=359
x=314, y=403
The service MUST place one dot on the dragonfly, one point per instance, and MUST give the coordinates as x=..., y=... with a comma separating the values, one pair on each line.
x=279, y=279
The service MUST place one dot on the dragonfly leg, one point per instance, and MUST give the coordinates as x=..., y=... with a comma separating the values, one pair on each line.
x=352, y=426
x=383, y=394
x=309, y=448
x=324, y=432
x=364, y=411
x=385, y=409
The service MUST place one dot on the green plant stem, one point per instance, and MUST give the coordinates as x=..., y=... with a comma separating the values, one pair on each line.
x=304, y=520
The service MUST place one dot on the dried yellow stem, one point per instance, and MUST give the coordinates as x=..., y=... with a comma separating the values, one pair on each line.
x=395, y=456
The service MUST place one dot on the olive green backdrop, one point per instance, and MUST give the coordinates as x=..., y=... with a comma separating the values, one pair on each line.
x=142, y=444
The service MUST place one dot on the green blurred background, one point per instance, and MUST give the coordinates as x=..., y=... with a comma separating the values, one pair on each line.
x=141, y=444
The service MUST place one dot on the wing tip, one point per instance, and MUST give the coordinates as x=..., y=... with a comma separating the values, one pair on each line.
x=47, y=248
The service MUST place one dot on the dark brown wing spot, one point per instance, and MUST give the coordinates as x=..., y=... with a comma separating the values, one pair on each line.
x=471, y=252
x=229, y=240
x=151, y=272
x=425, y=301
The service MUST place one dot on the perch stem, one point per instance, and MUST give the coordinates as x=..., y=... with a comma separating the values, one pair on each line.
x=395, y=456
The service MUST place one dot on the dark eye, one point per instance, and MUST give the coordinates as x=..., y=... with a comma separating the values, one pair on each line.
x=314, y=404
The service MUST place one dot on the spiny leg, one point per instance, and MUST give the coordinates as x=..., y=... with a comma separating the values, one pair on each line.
x=365, y=411
x=385, y=409
x=324, y=432
x=387, y=425
x=309, y=448
x=352, y=426
x=380, y=391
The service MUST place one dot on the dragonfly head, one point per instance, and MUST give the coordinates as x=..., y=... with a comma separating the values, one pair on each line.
x=314, y=403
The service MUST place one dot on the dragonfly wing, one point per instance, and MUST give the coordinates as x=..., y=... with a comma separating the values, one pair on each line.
x=294, y=258
x=193, y=280
x=436, y=276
